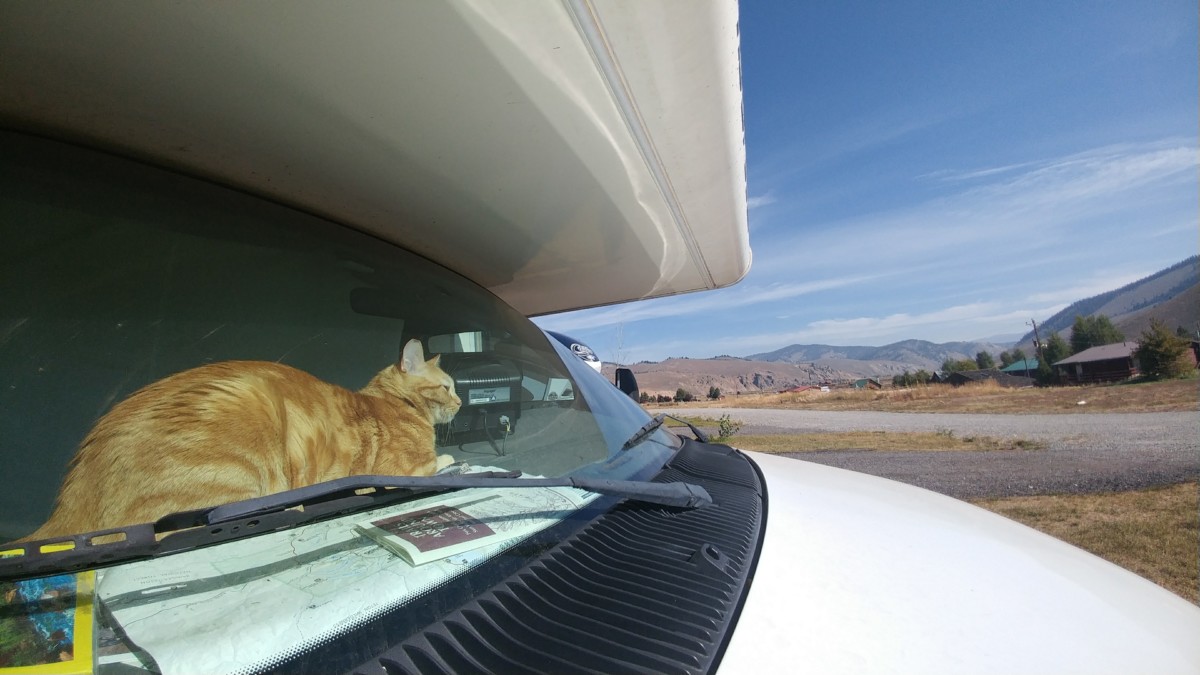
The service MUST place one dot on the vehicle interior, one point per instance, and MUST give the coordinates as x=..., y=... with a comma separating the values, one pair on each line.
x=141, y=273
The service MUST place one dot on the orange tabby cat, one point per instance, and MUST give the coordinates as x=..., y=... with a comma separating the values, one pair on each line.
x=241, y=429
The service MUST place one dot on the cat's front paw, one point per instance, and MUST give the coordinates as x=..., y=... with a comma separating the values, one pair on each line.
x=444, y=461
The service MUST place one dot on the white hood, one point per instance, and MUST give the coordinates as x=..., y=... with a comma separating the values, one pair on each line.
x=861, y=574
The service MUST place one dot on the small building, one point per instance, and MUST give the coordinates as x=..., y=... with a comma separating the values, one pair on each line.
x=1104, y=363
x=866, y=383
x=1024, y=367
x=1003, y=379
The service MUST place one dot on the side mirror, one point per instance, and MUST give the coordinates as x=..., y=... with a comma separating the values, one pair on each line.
x=626, y=382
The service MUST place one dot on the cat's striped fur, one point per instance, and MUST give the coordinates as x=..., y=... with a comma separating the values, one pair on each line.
x=241, y=429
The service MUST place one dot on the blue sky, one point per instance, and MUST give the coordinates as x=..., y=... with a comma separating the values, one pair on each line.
x=941, y=171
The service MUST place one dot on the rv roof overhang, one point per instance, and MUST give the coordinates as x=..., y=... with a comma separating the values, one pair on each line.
x=561, y=154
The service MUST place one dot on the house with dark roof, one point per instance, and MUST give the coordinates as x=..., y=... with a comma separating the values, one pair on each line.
x=866, y=383
x=962, y=377
x=1104, y=363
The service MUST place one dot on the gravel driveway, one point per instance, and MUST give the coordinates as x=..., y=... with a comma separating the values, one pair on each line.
x=1093, y=452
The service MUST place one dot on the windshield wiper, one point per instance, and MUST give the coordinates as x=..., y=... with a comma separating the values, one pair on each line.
x=199, y=528
x=656, y=422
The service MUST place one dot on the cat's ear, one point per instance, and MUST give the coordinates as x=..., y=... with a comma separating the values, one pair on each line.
x=437, y=359
x=413, y=356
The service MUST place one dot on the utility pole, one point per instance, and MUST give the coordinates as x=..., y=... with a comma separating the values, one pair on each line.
x=1037, y=344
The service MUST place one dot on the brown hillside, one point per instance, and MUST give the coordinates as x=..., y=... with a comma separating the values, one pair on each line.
x=1181, y=310
x=730, y=375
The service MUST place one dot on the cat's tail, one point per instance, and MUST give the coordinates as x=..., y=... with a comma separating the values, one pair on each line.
x=73, y=512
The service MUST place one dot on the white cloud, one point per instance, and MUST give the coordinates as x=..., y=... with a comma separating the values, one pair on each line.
x=1092, y=176
x=957, y=175
x=760, y=200
x=708, y=303
x=959, y=322
x=1018, y=210
x=1095, y=286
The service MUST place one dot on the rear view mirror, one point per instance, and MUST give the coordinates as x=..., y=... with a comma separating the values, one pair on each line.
x=626, y=382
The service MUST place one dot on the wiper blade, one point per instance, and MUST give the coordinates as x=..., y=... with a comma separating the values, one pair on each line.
x=656, y=422
x=262, y=515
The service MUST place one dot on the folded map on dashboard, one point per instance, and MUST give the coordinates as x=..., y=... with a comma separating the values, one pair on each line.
x=471, y=520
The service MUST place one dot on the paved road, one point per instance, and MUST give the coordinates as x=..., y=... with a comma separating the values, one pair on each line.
x=1093, y=452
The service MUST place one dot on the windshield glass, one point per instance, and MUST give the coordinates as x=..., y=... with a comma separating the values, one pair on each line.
x=169, y=345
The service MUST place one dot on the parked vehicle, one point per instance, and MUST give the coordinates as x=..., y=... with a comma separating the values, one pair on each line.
x=318, y=185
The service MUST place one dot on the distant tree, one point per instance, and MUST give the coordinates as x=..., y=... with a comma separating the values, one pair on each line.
x=1183, y=333
x=683, y=395
x=954, y=366
x=1017, y=355
x=714, y=393
x=1160, y=354
x=644, y=397
x=1093, y=331
x=922, y=376
x=1006, y=359
x=1044, y=375
x=984, y=360
x=1055, y=349
x=662, y=398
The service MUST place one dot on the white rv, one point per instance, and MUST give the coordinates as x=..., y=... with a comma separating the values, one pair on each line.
x=317, y=184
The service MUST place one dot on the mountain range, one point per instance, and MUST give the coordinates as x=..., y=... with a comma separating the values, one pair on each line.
x=799, y=365
x=906, y=354
x=1171, y=295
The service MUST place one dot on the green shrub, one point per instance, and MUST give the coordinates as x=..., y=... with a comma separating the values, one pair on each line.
x=726, y=428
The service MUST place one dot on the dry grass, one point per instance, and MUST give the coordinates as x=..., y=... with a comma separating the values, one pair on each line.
x=1153, y=533
x=988, y=397
x=880, y=440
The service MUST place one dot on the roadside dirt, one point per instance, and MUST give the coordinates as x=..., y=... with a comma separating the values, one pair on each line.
x=1169, y=396
x=1104, y=452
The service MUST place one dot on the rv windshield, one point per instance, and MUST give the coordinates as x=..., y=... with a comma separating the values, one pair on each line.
x=117, y=276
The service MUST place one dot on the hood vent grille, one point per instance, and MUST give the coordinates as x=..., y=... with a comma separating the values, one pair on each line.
x=640, y=589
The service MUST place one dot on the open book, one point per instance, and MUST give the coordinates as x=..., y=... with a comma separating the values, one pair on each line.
x=470, y=519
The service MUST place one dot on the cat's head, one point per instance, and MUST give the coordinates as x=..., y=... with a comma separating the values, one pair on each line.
x=429, y=381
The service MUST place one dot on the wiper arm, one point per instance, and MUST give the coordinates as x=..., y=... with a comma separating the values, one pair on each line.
x=656, y=422
x=667, y=494
x=262, y=515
